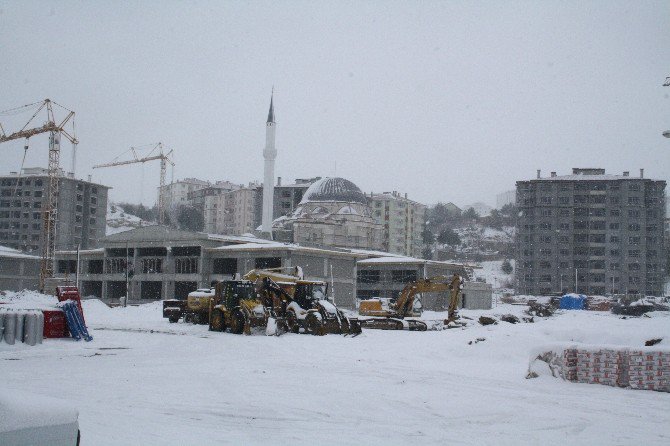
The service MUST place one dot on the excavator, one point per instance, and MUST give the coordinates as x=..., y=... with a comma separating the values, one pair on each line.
x=388, y=315
x=298, y=305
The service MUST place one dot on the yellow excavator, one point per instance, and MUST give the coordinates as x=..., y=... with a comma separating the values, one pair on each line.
x=298, y=305
x=383, y=314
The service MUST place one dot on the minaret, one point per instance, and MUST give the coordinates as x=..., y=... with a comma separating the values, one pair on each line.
x=269, y=153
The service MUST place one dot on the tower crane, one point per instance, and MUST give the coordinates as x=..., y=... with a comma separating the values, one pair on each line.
x=160, y=155
x=50, y=209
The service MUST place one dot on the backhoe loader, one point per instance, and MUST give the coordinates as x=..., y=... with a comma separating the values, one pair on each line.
x=388, y=315
x=299, y=305
x=237, y=307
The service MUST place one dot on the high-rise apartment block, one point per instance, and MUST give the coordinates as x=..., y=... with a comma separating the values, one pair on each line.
x=590, y=232
x=402, y=222
x=231, y=212
x=81, y=218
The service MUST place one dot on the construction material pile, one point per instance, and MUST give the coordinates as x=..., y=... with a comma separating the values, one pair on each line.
x=21, y=326
x=638, y=368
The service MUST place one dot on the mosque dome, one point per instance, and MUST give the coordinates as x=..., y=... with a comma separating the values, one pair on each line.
x=334, y=189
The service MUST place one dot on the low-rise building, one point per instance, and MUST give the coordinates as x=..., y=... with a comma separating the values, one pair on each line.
x=18, y=270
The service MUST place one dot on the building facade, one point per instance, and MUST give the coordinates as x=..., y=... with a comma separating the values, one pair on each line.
x=177, y=193
x=332, y=213
x=231, y=213
x=18, y=271
x=82, y=211
x=402, y=222
x=287, y=197
x=591, y=233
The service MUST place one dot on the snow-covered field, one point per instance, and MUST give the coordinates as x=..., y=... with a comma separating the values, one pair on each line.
x=145, y=381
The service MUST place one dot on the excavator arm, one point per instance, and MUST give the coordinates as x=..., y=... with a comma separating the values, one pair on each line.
x=405, y=301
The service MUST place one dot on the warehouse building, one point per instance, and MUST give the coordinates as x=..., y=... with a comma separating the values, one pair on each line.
x=156, y=262
x=18, y=271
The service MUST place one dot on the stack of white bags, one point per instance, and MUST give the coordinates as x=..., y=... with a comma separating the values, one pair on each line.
x=25, y=326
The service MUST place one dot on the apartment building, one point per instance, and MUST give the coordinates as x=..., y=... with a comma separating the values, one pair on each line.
x=402, y=222
x=82, y=211
x=590, y=232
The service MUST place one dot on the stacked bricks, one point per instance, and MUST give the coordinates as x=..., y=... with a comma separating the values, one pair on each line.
x=638, y=369
x=570, y=364
x=649, y=370
x=598, y=366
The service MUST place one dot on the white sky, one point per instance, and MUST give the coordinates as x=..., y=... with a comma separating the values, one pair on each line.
x=447, y=101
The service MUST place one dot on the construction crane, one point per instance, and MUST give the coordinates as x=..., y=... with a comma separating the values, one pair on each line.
x=159, y=155
x=50, y=209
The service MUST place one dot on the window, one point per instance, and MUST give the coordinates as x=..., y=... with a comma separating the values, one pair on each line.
x=633, y=267
x=615, y=212
x=614, y=200
x=633, y=227
x=267, y=262
x=597, y=251
x=615, y=252
x=564, y=252
x=95, y=266
x=545, y=251
x=67, y=266
x=614, y=239
x=564, y=212
x=633, y=240
x=224, y=266
x=597, y=238
x=186, y=265
x=614, y=225
x=633, y=213
x=634, y=187
x=598, y=225
x=581, y=238
x=368, y=276
x=151, y=265
x=403, y=276
x=545, y=200
x=581, y=212
x=563, y=239
x=633, y=253
x=563, y=200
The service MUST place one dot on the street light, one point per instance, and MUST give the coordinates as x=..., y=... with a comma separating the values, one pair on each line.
x=666, y=133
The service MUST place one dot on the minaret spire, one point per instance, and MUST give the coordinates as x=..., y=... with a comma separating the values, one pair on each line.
x=269, y=154
x=271, y=113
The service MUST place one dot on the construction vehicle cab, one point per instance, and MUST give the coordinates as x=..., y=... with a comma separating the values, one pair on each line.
x=237, y=307
x=299, y=305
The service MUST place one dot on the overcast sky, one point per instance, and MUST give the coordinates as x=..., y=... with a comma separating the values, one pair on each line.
x=446, y=101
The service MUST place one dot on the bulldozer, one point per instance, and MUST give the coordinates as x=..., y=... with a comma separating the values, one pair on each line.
x=384, y=314
x=299, y=305
x=237, y=307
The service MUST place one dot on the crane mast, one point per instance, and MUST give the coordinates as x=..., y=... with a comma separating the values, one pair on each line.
x=50, y=209
x=164, y=159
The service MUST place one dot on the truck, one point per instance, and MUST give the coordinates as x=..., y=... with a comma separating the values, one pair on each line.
x=194, y=309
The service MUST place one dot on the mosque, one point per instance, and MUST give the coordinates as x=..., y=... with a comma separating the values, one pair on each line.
x=334, y=213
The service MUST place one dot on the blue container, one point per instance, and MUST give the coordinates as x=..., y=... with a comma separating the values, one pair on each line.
x=572, y=302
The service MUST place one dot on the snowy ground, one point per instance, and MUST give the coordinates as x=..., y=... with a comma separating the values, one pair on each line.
x=120, y=221
x=145, y=381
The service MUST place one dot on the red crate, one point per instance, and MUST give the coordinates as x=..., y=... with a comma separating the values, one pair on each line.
x=54, y=324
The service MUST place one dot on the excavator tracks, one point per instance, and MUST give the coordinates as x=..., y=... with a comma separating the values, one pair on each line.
x=384, y=323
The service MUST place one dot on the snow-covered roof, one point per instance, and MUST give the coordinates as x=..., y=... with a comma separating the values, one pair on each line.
x=6, y=251
x=272, y=245
x=84, y=251
x=579, y=177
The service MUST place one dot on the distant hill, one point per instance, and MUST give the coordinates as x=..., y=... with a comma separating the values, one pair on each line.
x=120, y=221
